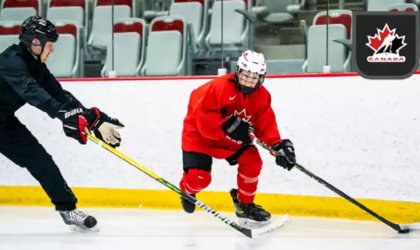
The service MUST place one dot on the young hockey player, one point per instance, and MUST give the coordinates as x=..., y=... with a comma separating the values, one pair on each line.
x=24, y=78
x=220, y=114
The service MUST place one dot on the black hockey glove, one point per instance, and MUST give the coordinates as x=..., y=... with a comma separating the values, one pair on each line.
x=237, y=129
x=287, y=157
x=74, y=123
x=104, y=127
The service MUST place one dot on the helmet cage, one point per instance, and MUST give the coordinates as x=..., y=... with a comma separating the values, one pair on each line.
x=242, y=75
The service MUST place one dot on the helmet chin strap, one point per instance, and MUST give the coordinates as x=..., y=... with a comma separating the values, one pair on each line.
x=247, y=90
x=42, y=45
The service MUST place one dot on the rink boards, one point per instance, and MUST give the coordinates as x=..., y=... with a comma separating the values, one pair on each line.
x=362, y=136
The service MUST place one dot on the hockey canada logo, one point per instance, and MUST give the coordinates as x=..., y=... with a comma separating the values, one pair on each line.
x=386, y=45
x=42, y=22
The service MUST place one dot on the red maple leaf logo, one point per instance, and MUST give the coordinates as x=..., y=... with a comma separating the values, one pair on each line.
x=376, y=41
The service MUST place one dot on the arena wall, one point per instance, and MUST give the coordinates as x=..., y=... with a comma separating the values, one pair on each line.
x=360, y=135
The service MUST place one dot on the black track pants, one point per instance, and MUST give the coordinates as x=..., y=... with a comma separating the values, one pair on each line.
x=19, y=145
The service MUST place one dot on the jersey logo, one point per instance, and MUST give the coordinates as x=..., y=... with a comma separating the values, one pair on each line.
x=233, y=97
x=242, y=114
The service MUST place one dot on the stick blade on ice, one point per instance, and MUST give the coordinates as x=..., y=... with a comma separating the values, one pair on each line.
x=279, y=223
x=412, y=226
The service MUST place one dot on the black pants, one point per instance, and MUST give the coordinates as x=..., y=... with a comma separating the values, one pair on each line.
x=196, y=160
x=202, y=161
x=19, y=145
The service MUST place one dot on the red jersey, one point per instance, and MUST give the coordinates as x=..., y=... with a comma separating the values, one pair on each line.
x=212, y=104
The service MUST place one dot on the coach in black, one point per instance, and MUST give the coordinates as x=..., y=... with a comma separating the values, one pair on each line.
x=24, y=78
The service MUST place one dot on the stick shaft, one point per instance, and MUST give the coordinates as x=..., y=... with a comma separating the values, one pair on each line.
x=334, y=189
x=348, y=198
x=247, y=232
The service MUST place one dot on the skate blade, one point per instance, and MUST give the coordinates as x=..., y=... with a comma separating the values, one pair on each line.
x=75, y=228
x=280, y=222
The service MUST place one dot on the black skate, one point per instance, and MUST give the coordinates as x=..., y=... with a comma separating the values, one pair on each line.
x=79, y=221
x=188, y=206
x=249, y=214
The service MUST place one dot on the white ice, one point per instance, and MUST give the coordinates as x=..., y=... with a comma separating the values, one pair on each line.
x=34, y=228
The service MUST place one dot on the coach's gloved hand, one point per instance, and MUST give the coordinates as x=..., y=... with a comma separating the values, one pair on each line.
x=237, y=129
x=287, y=157
x=74, y=123
x=104, y=127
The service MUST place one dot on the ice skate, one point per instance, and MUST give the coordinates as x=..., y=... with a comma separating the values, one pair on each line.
x=249, y=214
x=188, y=206
x=79, y=221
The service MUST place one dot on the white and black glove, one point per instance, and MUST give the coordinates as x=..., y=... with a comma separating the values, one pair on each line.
x=287, y=157
x=74, y=122
x=104, y=127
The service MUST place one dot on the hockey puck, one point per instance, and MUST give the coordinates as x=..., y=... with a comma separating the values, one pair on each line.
x=404, y=231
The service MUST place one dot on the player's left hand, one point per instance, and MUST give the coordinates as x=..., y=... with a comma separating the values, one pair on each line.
x=287, y=157
x=104, y=127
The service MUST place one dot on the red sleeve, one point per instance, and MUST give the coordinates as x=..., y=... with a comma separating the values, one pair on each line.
x=265, y=126
x=209, y=117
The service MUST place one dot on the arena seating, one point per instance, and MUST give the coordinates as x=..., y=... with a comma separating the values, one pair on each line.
x=180, y=31
x=195, y=12
x=235, y=29
x=102, y=16
x=129, y=48
x=339, y=28
x=66, y=61
x=403, y=7
x=70, y=10
x=163, y=57
x=382, y=5
x=19, y=10
x=279, y=11
x=9, y=33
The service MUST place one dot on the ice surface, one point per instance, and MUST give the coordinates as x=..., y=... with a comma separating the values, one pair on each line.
x=33, y=228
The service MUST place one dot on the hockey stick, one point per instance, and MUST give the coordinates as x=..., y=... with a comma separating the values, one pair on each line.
x=251, y=233
x=400, y=228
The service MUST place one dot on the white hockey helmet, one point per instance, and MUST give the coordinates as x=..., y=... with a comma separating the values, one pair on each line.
x=250, y=71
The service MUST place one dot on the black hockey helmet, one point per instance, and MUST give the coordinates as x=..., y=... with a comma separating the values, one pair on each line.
x=39, y=28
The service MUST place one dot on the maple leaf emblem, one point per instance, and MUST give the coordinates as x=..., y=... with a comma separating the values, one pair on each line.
x=242, y=114
x=386, y=45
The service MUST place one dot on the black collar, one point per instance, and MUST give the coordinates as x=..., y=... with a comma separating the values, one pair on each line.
x=24, y=51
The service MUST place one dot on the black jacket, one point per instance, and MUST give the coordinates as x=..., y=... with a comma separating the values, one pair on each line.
x=23, y=79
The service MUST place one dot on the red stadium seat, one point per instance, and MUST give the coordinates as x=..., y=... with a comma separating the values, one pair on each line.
x=12, y=30
x=21, y=3
x=407, y=7
x=116, y=2
x=161, y=25
x=129, y=48
x=15, y=30
x=66, y=59
x=343, y=18
x=408, y=10
x=67, y=29
x=133, y=27
x=167, y=38
x=68, y=3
